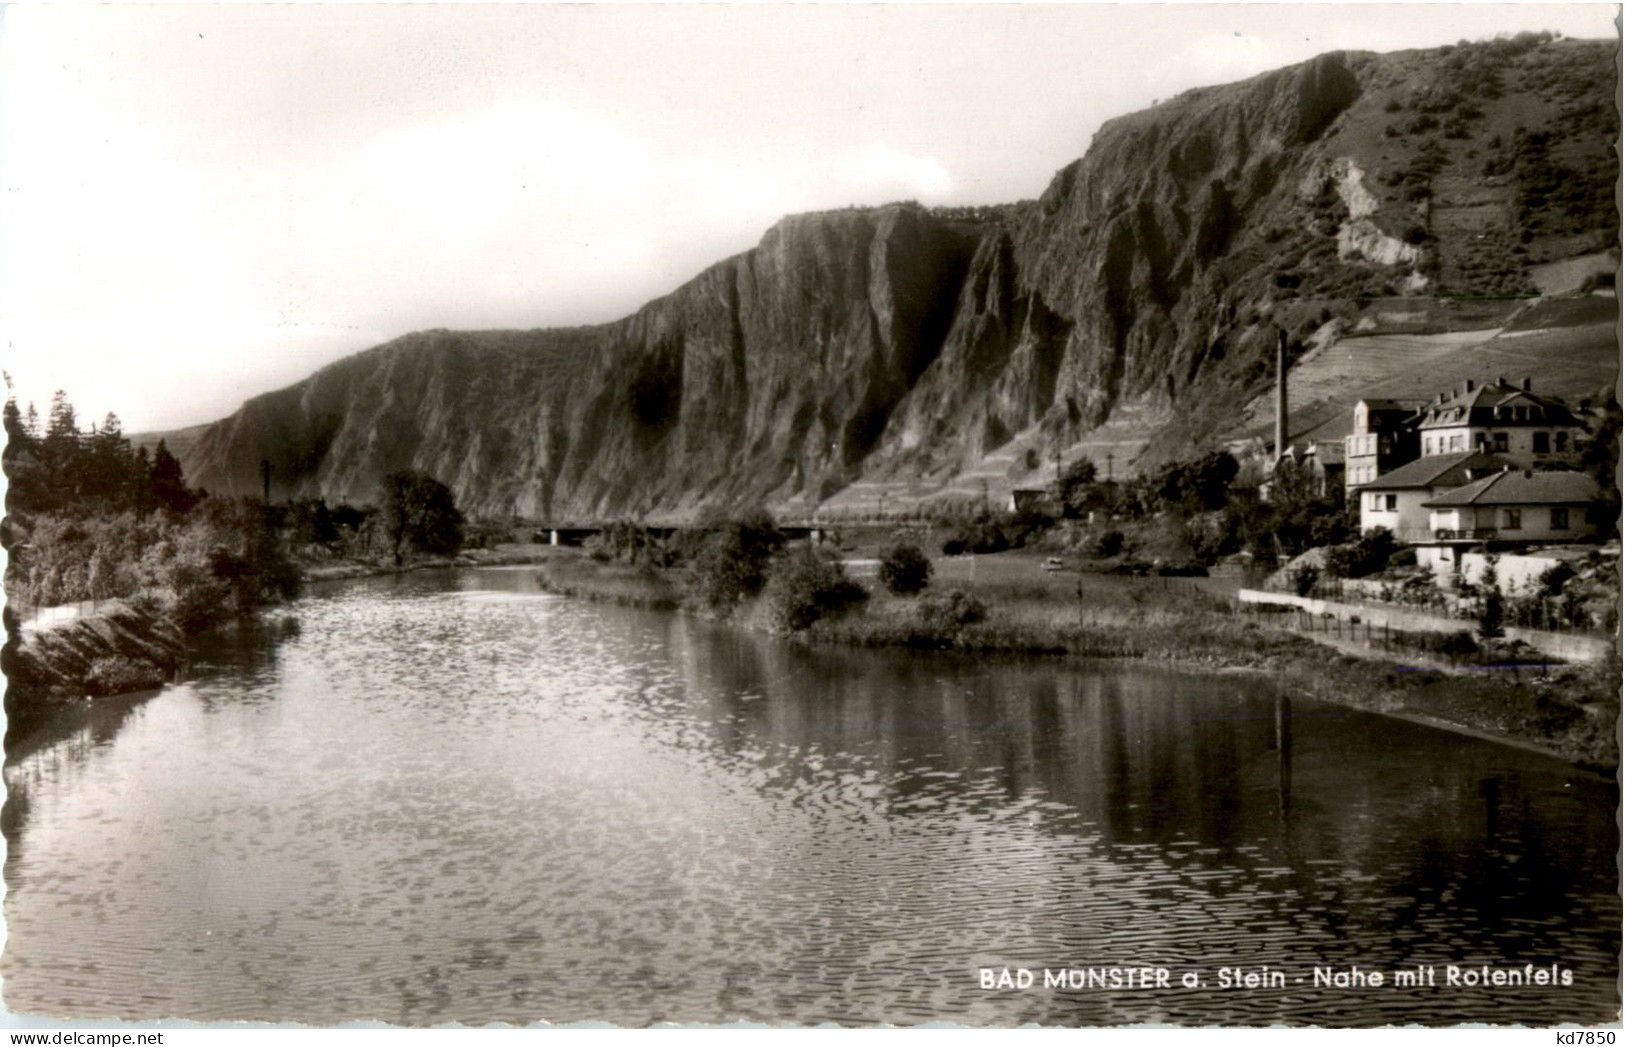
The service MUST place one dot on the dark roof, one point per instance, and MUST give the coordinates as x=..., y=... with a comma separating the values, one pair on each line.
x=1439, y=470
x=1385, y=404
x=1514, y=487
x=1477, y=405
x=1329, y=451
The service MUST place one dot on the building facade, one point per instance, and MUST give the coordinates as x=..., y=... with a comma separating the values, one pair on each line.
x=1397, y=500
x=1384, y=438
x=1513, y=506
x=1530, y=431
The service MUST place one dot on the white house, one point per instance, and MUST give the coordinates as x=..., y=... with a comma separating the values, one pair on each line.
x=1398, y=500
x=1529, y=431
x=1518, y=506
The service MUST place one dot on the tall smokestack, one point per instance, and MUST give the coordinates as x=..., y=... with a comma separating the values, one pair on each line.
x=1280, y=393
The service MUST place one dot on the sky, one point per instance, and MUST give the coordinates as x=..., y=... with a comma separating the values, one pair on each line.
x=203, y=203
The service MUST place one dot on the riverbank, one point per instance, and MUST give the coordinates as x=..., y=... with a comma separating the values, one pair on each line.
x=115, y=649
x=1015, y=609
x=505, y=555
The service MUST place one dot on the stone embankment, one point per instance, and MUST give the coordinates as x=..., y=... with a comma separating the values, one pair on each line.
x=115, y=649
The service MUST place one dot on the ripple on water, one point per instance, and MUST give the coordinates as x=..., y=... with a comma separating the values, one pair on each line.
x=453, y=799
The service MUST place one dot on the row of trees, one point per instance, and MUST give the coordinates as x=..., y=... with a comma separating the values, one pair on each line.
x=61, y=468
x=91, y=518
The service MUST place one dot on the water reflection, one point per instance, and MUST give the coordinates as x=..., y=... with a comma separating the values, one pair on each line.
x=449, y=797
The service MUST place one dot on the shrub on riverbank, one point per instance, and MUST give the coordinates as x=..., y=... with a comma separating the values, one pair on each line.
x=731, y=562
x=221, y=560
x=803, y=587
x=90, y=519
x=905, y=570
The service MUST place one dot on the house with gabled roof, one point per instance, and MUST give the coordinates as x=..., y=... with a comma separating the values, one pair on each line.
x=1529, y=430
x=1398, y=499
x=1510, y=507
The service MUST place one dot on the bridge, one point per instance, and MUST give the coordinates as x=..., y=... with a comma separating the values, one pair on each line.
x=573, y=534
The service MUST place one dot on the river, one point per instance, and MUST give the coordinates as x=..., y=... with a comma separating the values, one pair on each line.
x=449, y=797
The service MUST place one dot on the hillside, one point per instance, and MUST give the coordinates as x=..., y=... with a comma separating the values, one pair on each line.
x=1130, y=311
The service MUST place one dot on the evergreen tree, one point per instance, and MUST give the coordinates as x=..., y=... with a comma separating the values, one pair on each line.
x=1492, y=613
x=16, y=431
x=141, y=496
x=167, y=485
x=64, y=424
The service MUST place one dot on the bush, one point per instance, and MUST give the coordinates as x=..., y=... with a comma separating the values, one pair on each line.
x=985, y=535
x=1303, y=578
x=803, y=587
x=1107, y=545
x=952, y=611
x=1367, y=555
x=114, y=675
x=732, y=561
x=905, y=570
x=1454, y=645
x=1555, y=577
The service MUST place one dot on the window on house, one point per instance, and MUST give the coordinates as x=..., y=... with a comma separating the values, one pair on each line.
x=1512, y=519
x=1391, y=502
x=1455, y=443
x=1561, y=440
x=1542, y=443
x=1560, y=518
x=1500, y=441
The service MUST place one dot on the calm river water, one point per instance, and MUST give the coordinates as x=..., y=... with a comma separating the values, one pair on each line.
x=451, y=798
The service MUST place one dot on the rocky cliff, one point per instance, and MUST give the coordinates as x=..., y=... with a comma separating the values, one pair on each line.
x=902, y=342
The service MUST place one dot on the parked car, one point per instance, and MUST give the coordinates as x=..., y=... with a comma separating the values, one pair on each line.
x=1054, y=563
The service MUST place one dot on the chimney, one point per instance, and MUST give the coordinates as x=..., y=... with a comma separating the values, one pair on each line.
x=1500, y=379
x=1526, y=384
x=1469, y=385
x=1280, y=393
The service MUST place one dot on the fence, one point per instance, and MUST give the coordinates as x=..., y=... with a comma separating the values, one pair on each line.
x=1351, y=620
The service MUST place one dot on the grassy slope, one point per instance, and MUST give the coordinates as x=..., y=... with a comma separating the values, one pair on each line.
x=1573, y=362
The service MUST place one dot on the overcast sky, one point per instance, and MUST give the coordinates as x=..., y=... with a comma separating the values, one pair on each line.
x=205, y=203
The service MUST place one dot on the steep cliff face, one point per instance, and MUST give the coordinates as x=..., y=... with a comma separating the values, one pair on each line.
x=1149, y=278
x=767, y=375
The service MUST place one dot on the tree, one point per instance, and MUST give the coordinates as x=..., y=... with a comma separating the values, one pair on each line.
x=1198, y=486
x=167, y=484
x=1600, y=459
x=1492, y=613
x=732, y=561
x=420, y=513
x=803, y=587
x=1076, y=494
x=905, y=570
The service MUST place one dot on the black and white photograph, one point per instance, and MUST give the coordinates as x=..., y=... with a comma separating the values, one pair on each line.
x=810, y=515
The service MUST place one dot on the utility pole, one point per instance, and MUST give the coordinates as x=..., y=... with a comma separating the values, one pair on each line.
x=1108, y=467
